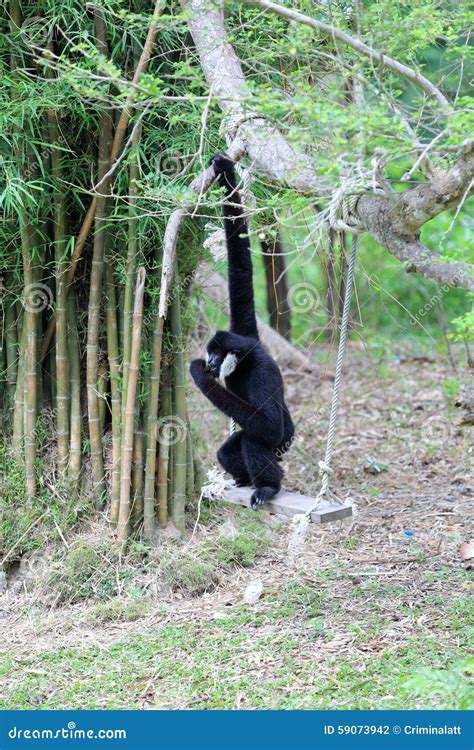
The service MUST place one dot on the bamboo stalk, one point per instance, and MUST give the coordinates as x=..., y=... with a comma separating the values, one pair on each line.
x=137, y=478
x=152, y=426
x=102, y=383
x=11, y=351
x=61, y=349
x=190, y=490
x=75, y=446
x=131, y=263
x=163, y=479
x=3, y=367
x=114, y=367
x=52, y=376
x=178, y=499
x=19, y=408
x=95, y=293
x=164, y=449
x=31, y=359
x=18, y=412
x=129, y=421
x=116, y=146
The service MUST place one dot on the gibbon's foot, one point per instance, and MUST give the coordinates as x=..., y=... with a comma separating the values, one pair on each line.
x=242, y=481
x=224, y=169
x=261, y=496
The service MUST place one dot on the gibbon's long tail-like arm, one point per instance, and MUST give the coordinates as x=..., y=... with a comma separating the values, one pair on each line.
x=261, y=426
x=242, y=305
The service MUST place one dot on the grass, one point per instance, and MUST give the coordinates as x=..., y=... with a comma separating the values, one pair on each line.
x=197, y=570
x=245, y=545
x=259, y=658
x=20, y=528
x=185, y=572
x=90, y=571
x=119, y=610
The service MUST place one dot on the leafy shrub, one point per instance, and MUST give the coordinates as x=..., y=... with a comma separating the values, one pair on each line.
x=454, y=686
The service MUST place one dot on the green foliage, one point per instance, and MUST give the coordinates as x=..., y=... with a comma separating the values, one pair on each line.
x=453, y=686
x=451, y=388
x=463, y=327
x=24, y=527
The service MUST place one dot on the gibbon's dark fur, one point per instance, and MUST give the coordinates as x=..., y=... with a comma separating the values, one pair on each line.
x=253, y=395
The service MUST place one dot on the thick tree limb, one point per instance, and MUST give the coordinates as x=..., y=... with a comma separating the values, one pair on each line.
x=263, y=143
x=394, y=219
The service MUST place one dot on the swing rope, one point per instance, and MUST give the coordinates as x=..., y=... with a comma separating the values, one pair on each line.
x=325, y=466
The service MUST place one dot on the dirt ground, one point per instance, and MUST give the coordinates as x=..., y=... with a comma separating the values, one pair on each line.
x=389, y=582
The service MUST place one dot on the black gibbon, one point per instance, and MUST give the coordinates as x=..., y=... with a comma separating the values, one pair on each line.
x=253, y=394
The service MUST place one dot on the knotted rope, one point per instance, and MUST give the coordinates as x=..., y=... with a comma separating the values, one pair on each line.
x=325, y=466
x=343, y=217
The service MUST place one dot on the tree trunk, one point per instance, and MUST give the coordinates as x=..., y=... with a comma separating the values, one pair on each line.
x=277, y=286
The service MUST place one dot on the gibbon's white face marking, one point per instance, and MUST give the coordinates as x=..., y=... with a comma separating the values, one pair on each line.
x=228, y=366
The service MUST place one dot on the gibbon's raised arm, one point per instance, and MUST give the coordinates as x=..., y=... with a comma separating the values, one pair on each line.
x=242, y=305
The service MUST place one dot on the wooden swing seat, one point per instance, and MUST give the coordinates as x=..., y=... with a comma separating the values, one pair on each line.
x=291, y=504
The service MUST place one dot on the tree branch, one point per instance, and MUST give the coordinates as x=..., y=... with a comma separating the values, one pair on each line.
x=394, y=219
x=411, y=75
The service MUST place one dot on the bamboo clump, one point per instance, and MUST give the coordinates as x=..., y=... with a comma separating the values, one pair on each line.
x=83, y=338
